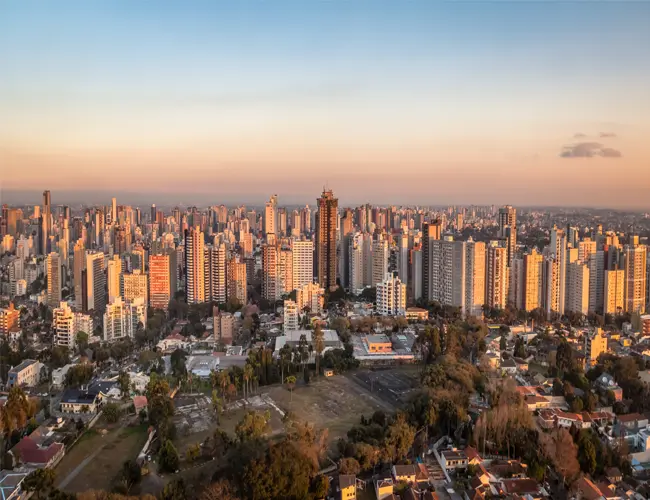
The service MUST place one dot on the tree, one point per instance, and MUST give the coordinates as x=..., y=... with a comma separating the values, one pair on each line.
x=217, y=405
x=221, y=490
x=399, y=438
x=291, y=383
x=559, y=448
x=349, y=466
x=503, y=343
x=319, y=346
x=111, y=412
x=520, y=348
x=160, y=407
x=174, y=491
x=168, y=457
x=252, y=426
x=320, y=485
x=79, y=375
x=131, y=474
x=124, y=381
x=248, y=375
x=564, y=357
x=81, y=340
x=177, y=360
x=40, y=482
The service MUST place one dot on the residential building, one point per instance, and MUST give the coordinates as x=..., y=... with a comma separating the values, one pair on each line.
x=391, y=296
x=430, y=232
x=311, y=296
x=531, y=282
x=215, y=273
x=635, y=258
x=417, y=314
x=194, y=266
x=270, y=216
x=135, y=286
x=223, y=326
x=26, y=374
x=326, y=225
x=356, y=262
x=237, y=288
x=291, y=316
x=558, y=249
x=54, y=279
x=79, y=266
x=508, y=230
x=122, y=318
x=474, y=278
x=302, y=252
x=113, y=277
x=380, y=254
x=595, y=345
x=614, y=291
x=9, y=319
x=578, y=287
x=285, y=271
x=347, y=486
x=496, y=285
x=160, y=291
x=80, y=401
x=95, y=293
x=270, y=286
x=67, y=323
x=596, y=262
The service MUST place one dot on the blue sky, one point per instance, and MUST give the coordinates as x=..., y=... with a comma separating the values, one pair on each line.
x=286, y=90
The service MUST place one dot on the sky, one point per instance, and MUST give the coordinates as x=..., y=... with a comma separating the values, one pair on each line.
x=419, y=102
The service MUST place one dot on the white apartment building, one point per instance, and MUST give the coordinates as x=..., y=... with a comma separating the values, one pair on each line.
x=291, y=316
x=121, y=318
x=578, y=287
x=135, y=286
x=67, y=323
x=303, y=262
x=311, y=295
x=391, y=297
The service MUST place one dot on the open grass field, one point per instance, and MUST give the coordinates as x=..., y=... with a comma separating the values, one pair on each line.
x=95, y=461
x=335, y=403
x=391, y=385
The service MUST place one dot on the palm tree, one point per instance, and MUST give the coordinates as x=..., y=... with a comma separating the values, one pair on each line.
x=217, y=405
x=319, y=342
x=285, y=356
x=291, y=382
x=249, y=373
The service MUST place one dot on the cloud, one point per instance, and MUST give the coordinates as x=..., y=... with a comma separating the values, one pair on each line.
x=607, y=134
x=579, y=135
x=589, y=150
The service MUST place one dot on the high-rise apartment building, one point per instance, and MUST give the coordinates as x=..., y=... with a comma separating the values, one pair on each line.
x=95, y=282
x=9, y=319
x=215, y=273
x=586, y=248
x=79, y=266
x=448, y=273
x=508, y=230
x=558, y=249
x=326, y=240
x=391, y=296
x=46, y=224
x=271, y=216
x=291, y=316
x=474, y=278
x=430, y=232
x=194, y=266
x=135, y=286
x=614, y=292
x=380, y=253
x=270, y=289
x=355, y=253
x=303, y=262
x=635, y=278
x=496, y=283
x=113, y=276
x=285, y=271
x=311, y=296
x=223, y=325
x=160, y=290
x=578, y=287
x=53, y=279
x=551, y=286
x=595, y=345
x=67, y=324
x=237, y=280
x=122, y=318
x=596, y=264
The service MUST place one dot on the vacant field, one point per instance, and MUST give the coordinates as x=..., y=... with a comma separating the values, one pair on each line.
x=335, y=403
x=95, y=461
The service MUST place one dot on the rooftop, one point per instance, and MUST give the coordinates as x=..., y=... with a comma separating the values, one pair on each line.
x=24, y=364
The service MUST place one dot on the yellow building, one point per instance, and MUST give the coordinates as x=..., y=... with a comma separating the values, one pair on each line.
x=595, y=345
x=348, y=486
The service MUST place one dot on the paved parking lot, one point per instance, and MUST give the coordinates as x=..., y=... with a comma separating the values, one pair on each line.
x=392, y=385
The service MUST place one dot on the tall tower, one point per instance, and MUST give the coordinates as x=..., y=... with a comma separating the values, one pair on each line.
x=53, y=279
x=303, y=262
x=194, y=266
x=46, y=221
x=95, y=282
x=430, y=233
x=508, y=230
x=635, y=278
x=160, y=292
x=496, y=286
x=215, y=273
x=114, y=274
x=326, y=239
x=271, y=216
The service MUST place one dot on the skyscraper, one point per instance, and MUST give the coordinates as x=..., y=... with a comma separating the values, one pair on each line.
x=160, y=291
x=532, y=281
x=46, y=221
x=496, y=284
x=326, y=239
x=135, y=286
x=578, y=287
x=194, y=266
x=79, y=265
x=508, y=230
x=614, y=291
x=237, y=280
x=113, y=276
x=379, y=260
x=271, y=216
x=303, y=262
x=635, y=278
x=95, y=282
x=215, y=273
x=430, y=233
x=53, y=279
x=391, y=296
x=356, y=263
x=270, y=289
x=474, y=278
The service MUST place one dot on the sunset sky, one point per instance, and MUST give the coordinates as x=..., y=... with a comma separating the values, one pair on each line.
x=544, y=103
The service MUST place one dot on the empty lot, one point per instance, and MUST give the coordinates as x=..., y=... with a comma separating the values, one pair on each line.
x=390, y=385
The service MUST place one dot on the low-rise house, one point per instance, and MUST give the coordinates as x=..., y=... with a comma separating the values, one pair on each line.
x=38, y=450
x=58, y=375
x=566, y=419
x=537, y=402
x=629, y=424
x=453, y=459
x=413, y=473
x=80, y=401
x=509, y=366
x=347, y=487
x=527, y=488
x=606, y=384
x=172, y=342
x=384, y=488
x=26, y=374
x=586, y=489
x=417, y=314
x=140, y=403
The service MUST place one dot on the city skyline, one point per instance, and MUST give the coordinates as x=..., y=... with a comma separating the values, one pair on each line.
x=226, y=103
